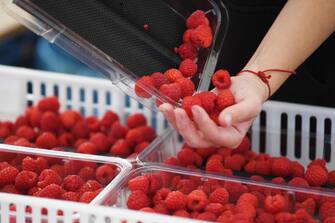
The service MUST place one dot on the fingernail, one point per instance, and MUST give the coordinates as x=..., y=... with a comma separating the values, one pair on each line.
x=228, y=120
x=195, y=111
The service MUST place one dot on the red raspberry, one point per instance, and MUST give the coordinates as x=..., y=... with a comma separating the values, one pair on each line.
x=221, y=79
x=329, y=220
x=34, y=116
x=118, y=131
x=88, y=148
x=206, y=216
x=90, y=185
x=136, y=120
x=121, y=148
x=188, y=51
x=265, y=218
x=48, y=177
x=234, y=162
x=197, y=200
x=46, y=140
x=4, y=165
x=182, y=213
x=51, y=191
x=65, y=140
x=7, y=175
x=219, y=195
x=141, y=147
x=71, y=167
x=202, y=36
x=207, y=152
x=69, y=118
x=215, y=164
x=161, y=209
x=248, y=198
x=175, y=201
x=142, y=86
x=187, y=87
x=215, y=208
x=250, y=167
x=20, y=121
x=172, y=75
x=108, y=120
x=327, y=210
x=50, y=122
x=80, y=130
x=87, y=173
x=187, y=36
x=171, y=91
x=224, y=99
x=226, y=216
x=88, y=196
x=26, y=132
x=244, y=146
x=188, y=103
x=302, y=215
x=70, y=196
x=49, y=104
x=196, y=19
x=263, y=167
x=159, y=79
x=299, y=182
x=59, y=169
x=138, y=200
x=4, y=132
x=186, y=186
x=278, y=180
x=189, y=157
x=208, y=99
x=319, y=162
x=316, y=175
x=72, y=183
x=173, y=161
x=188, y=68
x=139, y=183
x=244, y=211
x=23, y=142
x=281, y=167
x=25, y=180
x=134, y=137
x=10, y=189
x=297, y=170
x=331, y=178
x=284, y=217
x=309, y=205
x=93, y=123
x=100, y=141
x=155, y=182
x=235, y=190
x=35, y=165
x=105, y=174
x=161, y=195
x=275, y=204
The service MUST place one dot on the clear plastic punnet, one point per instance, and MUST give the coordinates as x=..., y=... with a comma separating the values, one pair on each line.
x=127, y=39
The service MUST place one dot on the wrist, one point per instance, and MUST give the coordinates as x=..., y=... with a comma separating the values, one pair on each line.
x=262, y=88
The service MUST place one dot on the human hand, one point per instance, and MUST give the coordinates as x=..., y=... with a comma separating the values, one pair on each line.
x=249, y=92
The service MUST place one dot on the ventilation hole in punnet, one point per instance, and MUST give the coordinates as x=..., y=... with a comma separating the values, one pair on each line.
x=82, y=111
x=166, y=124
x=140, y=106
x=283, y=134
x=68, y=107
x=262, y=134
x=95, y=112
x=327, y=139
x=42, y=89
x=108, y=220
x=127, y=102
x=82, y=95
x=56, y=93
x=29, y=87
x=297, y=138
x=108, y=98
x=68, y=93
x=95, y=97
x=29, y=103
x=312, y=138
x=154, y=119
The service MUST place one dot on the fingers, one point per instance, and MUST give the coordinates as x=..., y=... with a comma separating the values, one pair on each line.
x=168, y=111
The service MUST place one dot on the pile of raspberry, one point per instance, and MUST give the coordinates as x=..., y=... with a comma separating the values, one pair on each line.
x=55, y=178
x=175, y=83
x=224, y=201
x=44, y=126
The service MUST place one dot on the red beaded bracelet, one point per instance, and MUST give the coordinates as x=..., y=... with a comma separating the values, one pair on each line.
x=265, y=77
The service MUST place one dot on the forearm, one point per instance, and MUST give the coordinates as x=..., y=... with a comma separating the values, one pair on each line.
x=301, y=27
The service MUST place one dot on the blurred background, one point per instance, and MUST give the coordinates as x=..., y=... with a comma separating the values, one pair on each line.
x=20, y=47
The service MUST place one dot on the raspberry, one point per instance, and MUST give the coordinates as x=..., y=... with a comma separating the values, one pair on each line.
x=9, y=188
x=187, y=51
x=263, y=167
x=235, y=190
x=4, y=165
x=90, y=185
x=219, y=195
x=172, y=75
x=155, y=183
x=182, y=213
x=299, y=182
x=26, y=132
x=50, y=122
x=309, y=205
x=118, y=131
x=134, y=137
x=121, y=148
x=284, y=217
x=226, y=216
x=188, y=103
x=189, y=157
x=139, y=183
x=88, y=196
x=245, y=211
x=108, y=120
x=215, y=208
x=329, y=220
x=250, y=167
x=197, y=200
x=281, y=167
x=51, y=191
x=70, y=196
x=319, y=162
x=65, y=140
x=69, y=118
x=25, y=180
x=215, y=164
x=175, y=201
x=87, y=173
x=331, y=178
x=161, y=209
x=278, y=180
x=138, y=200
x=275, y=204
x=105, y=174
x=186, y=186
x=59, y=169
x=171, y=91
x=136, y=120
x=141, y=147
x=71, y=167
x=206, y=216
x=265, y=218
x=88, y=148
x=48, y=177
x=161, y=195
x=188, y=68
x=207, y=99
x=202, y=36
x=4, y=132
x=7, y=175
x=20, y=121
x=159, y=79
x=316, y=175
x=34, y=116
x=187, y=36
x=187, y=87
x=46, y=140
x=72, y=183
x=196, y=19
x=49, y=104
x=327, y=210
x=224, y=99
x=80, y=130
x=23, y=142
x=93, y=123
x=248, y=198
x=35, y=165
x=297, y=170
x=142, y=86
x=234, y=162
x=221, y=79
x=244, y=146
x=207, y=152
x=302, y=215
x=100, y=141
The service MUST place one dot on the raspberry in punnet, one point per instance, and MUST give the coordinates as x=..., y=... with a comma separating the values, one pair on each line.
x=202, y=36
x=188, y=51
x=197, y=200
x=46, y=140
x=139, y=183
x=159, y=79
x=105, y=174
x=275, y=204
x=35, y=165
x=219, y=195
x=196, y=19
x=50, y=122
x=175, y=201
x=281, y=167
x=49, y=104
x=171, y=91
x=316, y=175
x=188, y=103
x=187, y=87
x=25, y=180
x=224, y=99
x=8, y=175
x=188, y=68
x=138, y=200
x=136, y=120
x=26, y=132
x=221, y=79
x=142, y=85
x=172, y=75
x=121, y=148
x=72, y=183
x=187, y=36
x=48, y=177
